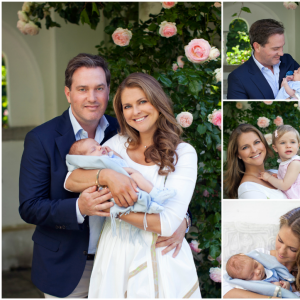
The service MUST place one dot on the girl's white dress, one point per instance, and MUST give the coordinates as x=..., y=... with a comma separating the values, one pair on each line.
x=126, y=270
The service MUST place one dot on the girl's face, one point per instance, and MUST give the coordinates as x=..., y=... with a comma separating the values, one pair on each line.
x=286, y=245
x=138, y=112
x=287, y=145
x=251, y=149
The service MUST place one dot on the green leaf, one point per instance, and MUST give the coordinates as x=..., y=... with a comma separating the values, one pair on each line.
x=152, y=27
x=214, y=251
x=195, y=87
x=84, y=18
x=201, y=129
x=95, y=9
x=246, y=9
x=182, y=80
x=234, y=15
x=165, y=80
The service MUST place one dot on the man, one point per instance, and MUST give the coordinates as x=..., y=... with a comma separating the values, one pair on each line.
x=68, y=225
x=260, y=77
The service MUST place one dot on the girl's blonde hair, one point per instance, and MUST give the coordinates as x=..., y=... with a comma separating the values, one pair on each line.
x=283, y=129
x=167, y=135
x=292, y=220
x=236, y=167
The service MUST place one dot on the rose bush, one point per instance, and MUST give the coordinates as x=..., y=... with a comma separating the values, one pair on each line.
x=193, y=87
x=167, y=29
x=185, y=119
x=121, y=37
x=250, y=115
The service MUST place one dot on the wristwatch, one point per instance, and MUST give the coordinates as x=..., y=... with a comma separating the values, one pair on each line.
x=188, y=222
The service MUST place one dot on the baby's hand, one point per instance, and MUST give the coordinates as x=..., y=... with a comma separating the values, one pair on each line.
x=131, y=171
x=108, y=149
x=289, y=78
x=276, y=283
x=274, y=175
x=285, y=284
x=264, y=176
x=284, y=82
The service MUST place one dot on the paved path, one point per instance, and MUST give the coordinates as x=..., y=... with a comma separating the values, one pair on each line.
x=17, y=284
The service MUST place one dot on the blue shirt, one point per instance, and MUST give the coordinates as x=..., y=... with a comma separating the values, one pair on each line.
x=95, y=222
x=272, y=78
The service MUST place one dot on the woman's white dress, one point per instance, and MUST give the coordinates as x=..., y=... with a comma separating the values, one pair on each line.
x=126, y=270
x=253, y=190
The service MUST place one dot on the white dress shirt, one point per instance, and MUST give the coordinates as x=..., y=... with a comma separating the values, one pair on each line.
x=272, y=78
x=95, y=222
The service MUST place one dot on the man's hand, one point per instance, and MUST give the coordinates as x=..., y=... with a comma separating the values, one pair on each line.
x=173, y=241
x=92, y=202
x=122, y=187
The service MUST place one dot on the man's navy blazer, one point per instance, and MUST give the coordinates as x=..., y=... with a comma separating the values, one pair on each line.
x=248, y=82
x=60, y=243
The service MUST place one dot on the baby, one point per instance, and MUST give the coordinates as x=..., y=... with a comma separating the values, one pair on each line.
x=241, y=266
x=286, y=142
x=290, y=86
x=92, y=148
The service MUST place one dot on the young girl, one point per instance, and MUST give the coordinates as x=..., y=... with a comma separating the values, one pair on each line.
x=286, y=142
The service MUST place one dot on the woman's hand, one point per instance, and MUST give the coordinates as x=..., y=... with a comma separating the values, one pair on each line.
x=174, y=241
x=93, y=202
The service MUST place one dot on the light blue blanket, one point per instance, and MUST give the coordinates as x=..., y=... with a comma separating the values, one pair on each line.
x=263, y=287
x=151, y=203
x=282, y=94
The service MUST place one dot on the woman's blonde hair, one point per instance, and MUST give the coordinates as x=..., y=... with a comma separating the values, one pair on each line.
x=167, y=135
x=235, y=166
x=283, y=129
x=292, y=220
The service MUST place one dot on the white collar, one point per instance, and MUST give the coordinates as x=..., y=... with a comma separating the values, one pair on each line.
x=269, y=273
x=102, y=125
x=282, y=163
x=260, y=66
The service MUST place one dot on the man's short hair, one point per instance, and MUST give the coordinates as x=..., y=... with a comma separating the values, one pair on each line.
x=88, y=61
x=261, y=30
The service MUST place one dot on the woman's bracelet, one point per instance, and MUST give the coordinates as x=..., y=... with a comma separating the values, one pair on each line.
x=97, y=179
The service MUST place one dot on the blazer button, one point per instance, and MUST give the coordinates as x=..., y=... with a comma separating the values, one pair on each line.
x=84, y=252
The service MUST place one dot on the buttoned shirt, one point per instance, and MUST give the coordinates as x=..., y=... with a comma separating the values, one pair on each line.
x=95, y=222
x=272, y=78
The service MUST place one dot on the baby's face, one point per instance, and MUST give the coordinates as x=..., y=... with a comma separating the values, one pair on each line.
x=253, y=270
x=91, y=147
x=297, y=75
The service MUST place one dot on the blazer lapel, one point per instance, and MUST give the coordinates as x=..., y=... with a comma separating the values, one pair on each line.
x=259, y=80
x=67, y=137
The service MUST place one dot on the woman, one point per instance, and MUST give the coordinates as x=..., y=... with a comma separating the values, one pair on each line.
x=149, y=141
x=287, y=252
x=246, y=155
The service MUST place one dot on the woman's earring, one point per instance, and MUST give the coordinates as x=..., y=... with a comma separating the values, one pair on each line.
x=239, y=157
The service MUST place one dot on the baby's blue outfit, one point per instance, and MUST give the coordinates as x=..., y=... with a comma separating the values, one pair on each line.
x=274, y=277
x=151, y=203
x=282, y=94
x=264, y=287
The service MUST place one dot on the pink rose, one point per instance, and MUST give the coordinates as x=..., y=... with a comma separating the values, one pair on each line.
x=278, y=121
x=206, y=193
x=219, y=259
x=31, y=29
x=122, y=37
x=290, y=5
x=217, y=4
x=180, y=62
x=168, y=5
x=215, y=274
x=21, y=26
x=197, y=51
x=268, y=138
x=263, y=122
x=194, y=246
x=269, y=102
x=167, y=29
x=239, y=105
x=23, y=16
x=174, y=67
x=185, y=119
x=210, y=258
x=214, y=53
x=5, y=113
x=215, y=118
x=218, y=74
